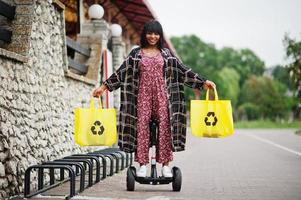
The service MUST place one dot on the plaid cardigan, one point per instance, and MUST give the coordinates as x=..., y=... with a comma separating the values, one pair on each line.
x=176, y=75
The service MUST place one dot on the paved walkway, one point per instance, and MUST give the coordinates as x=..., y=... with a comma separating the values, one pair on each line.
x=251, y=165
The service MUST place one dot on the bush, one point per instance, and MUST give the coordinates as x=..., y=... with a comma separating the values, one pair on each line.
x=248, y=111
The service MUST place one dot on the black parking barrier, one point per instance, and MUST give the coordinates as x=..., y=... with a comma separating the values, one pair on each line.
x=123, y=159
x=126, y=159
x=110, y=157
x=129, y=156
x=79, y=167
x=86, y=162
x=103, y=159
x=116, y=151
x=92, y=158
x=41, y=187
x=112, y=163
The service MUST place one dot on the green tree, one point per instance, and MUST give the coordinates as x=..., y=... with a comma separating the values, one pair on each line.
x=293, y=53
x=206, y=60
x=196, y=54
x=228, y=84
x=227, y=67
x=244, y=61
x=281, y=74
x=268, y=95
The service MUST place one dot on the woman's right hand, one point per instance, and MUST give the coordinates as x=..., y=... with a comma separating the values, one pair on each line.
x=99, y=91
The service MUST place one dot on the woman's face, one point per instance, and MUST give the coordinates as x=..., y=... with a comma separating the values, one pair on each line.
x=152, y=38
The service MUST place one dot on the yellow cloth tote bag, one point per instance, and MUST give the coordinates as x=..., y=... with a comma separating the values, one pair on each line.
x=95, y=126
x=211, y=118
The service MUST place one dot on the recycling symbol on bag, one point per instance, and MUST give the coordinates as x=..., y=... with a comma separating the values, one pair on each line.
x=97, y=128
x=210, y=119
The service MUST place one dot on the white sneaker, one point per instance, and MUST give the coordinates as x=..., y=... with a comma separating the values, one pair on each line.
x=166, y=172
x=142, y=171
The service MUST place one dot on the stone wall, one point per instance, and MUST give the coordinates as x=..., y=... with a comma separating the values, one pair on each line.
x=37, y=101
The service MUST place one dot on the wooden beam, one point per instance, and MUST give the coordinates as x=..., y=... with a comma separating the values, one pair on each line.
x=142, y=22
x=77, y=47
x=5, y=35
x=82, y=69
x=7, y=10
x=58, y=4
x=137, y=12
x=133, y=3
x=119, y=12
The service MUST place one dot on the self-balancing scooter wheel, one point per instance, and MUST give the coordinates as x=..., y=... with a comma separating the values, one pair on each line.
x=177, y=179
x=130, y=179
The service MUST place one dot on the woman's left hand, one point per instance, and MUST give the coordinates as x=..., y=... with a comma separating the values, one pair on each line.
x=209, y=85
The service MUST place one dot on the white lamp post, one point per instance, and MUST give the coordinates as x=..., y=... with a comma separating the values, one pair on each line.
x=116, y=30
x=96, y=11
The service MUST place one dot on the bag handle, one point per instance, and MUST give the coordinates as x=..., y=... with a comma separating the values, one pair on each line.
x=215, y=94
x=92, y=104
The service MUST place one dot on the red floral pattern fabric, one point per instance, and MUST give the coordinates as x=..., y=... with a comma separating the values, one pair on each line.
x=152, y=104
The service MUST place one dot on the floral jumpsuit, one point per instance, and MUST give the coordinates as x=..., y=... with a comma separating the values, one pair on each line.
x=152, y=104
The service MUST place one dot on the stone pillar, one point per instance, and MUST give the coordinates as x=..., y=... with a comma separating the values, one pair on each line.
x=118, y=50
x=94, y=35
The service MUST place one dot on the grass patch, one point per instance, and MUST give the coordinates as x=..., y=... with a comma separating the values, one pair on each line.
x=267, y=124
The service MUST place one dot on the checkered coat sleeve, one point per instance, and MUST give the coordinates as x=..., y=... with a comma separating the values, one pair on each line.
x=176, y=75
